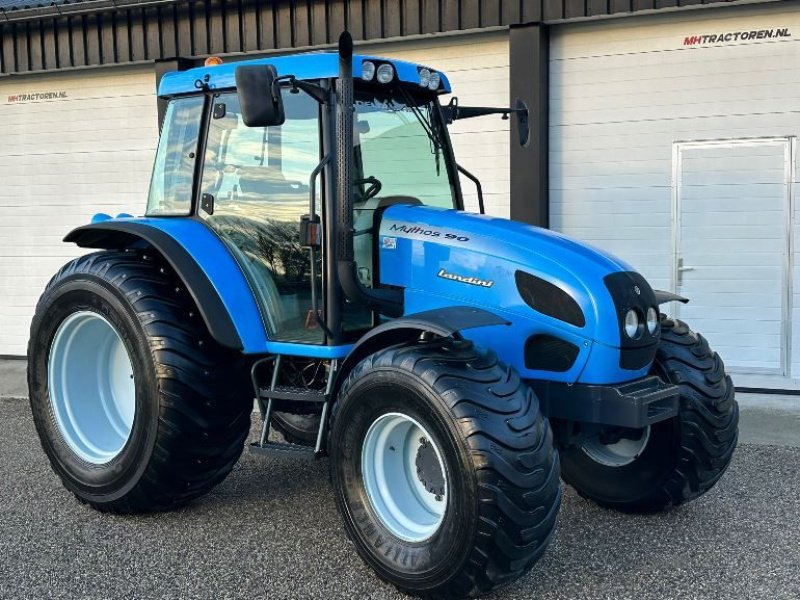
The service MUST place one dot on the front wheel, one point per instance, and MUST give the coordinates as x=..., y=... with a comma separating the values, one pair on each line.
x=673, y=461
x=443, y=469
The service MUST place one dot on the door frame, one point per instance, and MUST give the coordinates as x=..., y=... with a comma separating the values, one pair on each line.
x=789, y=144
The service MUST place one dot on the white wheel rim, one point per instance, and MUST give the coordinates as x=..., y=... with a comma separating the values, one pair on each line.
x=622, y=453
x=395, y=489
x=91, y=385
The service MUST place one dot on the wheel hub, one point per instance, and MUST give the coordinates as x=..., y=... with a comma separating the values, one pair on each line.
x=404, y=477
x=618, y=454
x=429, y=471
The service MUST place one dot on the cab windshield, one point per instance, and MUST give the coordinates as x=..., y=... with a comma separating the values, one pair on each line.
x=398, y=142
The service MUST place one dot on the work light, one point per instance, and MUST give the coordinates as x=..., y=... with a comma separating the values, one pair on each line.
x=367, y=70
x=433, y=81
x=385, y=73
x=424, y=77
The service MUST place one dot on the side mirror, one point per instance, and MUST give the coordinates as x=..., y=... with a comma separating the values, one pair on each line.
x=259, y=98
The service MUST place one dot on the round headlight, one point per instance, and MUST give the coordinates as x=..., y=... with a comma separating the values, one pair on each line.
x=385, y=73
x=424, y=77
x=367, y=70
x=433, y=81
x=652, y=320
x=632, y=324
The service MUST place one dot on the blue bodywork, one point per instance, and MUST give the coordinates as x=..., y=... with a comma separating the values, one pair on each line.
x=302, y=66
x=424, y=240
x=415, y=244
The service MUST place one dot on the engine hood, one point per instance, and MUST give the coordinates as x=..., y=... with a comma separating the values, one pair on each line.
x=446, y=257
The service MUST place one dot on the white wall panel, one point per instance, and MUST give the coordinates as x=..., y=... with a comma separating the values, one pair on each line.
x=623, y=93
x=61, y=161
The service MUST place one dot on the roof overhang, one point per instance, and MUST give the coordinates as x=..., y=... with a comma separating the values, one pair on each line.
x=310, y=65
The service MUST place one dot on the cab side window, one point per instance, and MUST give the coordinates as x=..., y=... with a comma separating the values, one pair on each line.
x=173, y=173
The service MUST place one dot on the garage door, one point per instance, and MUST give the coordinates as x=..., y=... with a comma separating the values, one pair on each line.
x=72, y=145
x=477, y=66
x=672, y=145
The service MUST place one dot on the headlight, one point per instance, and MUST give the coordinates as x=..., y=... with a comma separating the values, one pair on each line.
x=385, y=73
x=433, y=81
x=652, y=320
x=367, y=70
x=424, y=77
x=632, y=324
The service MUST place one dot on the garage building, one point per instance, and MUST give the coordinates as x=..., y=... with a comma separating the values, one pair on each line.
x=663, y=131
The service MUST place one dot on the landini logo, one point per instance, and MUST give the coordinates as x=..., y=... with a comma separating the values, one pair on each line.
x=462, y=279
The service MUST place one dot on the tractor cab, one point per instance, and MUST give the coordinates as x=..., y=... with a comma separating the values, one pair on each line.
x=264, y=182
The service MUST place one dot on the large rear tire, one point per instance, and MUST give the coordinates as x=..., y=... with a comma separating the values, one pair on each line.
x=443, y=469
x=674, y=461
x=136, y=407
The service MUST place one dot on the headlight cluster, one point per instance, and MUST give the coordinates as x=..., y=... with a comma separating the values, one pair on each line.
x=429, y=79
x=635, y=324
x=383, y=72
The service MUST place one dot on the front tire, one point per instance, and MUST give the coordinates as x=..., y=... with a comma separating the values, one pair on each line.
x=443, y=469
x=674, y=461
x=136, y=407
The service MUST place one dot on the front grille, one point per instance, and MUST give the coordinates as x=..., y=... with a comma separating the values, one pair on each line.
x=629, y=290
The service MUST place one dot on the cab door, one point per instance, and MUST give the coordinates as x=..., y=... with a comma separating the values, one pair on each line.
x=255, y=188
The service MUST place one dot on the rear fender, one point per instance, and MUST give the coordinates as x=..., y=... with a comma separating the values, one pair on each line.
x=204, y=265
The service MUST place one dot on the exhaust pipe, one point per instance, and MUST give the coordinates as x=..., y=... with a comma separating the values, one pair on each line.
x=387, y=301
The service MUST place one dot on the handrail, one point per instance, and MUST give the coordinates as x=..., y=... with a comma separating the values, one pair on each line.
x=477, y=183
x=312, y=212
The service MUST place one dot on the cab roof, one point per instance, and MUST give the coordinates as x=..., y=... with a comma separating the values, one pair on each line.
x=309, y=65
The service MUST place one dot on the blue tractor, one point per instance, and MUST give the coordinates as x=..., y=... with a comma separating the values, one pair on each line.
x=305, y=244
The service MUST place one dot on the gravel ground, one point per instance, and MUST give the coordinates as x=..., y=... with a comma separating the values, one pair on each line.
x=271, y=530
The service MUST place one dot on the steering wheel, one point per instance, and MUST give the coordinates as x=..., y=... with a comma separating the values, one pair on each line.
x=374, y=186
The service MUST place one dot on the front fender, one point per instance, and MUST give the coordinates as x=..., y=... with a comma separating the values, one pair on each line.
x=204, y=264
x=442, y=322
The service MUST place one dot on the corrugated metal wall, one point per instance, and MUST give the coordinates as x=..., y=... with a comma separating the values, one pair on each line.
x=32, y=41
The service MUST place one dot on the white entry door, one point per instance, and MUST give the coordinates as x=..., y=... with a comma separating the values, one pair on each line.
x=732, y=242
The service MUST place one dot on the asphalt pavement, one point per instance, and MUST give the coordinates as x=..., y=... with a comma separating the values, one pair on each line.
x=271, y=530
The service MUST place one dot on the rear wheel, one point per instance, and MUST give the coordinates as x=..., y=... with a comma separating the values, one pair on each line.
x=673, y=461
x=443, y=469
x=136, y=406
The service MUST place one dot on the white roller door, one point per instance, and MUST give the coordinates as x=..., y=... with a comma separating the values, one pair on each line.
x=73, y=144
x=477, y=65
x=672, y=145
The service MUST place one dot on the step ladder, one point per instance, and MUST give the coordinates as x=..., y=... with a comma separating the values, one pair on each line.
x=266, y=401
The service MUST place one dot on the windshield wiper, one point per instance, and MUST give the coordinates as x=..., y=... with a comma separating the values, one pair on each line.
x=428, y=127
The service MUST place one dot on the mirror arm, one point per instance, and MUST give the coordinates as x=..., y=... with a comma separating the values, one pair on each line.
x=453, y=111
x=312, y=89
